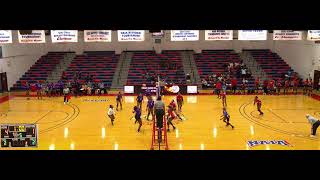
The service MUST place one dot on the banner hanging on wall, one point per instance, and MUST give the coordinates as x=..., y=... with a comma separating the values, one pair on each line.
x=37, y=36
x=130, y=35
x=59, y=36
x=313, y=35
x=97, y=35
x=252, y=35
x=287, y=35
x=211, y=35
x=5, y=36
x=184, y=35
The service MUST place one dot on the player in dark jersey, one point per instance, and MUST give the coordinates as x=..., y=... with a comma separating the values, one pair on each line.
x=259, y=104
x=137, y=116
x=224, y=99
x=119, y=100
x=226, y=118
x=171, y=116
x=180, y=102
x=139, y=100
x=150, y=105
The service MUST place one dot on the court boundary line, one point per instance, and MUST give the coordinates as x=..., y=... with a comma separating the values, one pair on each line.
x=246, y=116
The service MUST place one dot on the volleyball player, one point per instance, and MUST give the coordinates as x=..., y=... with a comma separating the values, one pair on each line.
x=174, y=108
x=139, y=100
x=259, y=104
x=137, y=116
x=119, y=100
x=111, y=114
x=66, y=92
x=171, y=116
x=150, y=106
x=234, y=85
x=224, y=99
x=226, y=117
x=218, y=88
x=180, y=102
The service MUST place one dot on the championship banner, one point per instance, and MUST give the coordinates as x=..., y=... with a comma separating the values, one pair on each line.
x=252, y=35
x=184, y=35
x=5, y=36
x=130, y=35
x=287, y=35
x=313, y=35
x=218, y=35
x=37, y=36
x=59, y=36
x=97, y=35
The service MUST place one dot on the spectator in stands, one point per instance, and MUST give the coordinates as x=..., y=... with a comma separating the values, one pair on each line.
x=243, y=72
x=101, y=87
x=188, y=78
x=204, y=84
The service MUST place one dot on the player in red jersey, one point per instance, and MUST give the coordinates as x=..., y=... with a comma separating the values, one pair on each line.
x=234, y=85
x=174, y=108
x=224, y=99
x=218, y=88
x=179, y=101
x=258, y=101
x=171, y=116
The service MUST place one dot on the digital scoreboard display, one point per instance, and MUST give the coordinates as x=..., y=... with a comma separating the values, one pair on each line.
x=19, y=135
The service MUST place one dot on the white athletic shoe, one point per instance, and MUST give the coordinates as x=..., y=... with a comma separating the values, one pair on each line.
x=64, y=102
x=312, y=136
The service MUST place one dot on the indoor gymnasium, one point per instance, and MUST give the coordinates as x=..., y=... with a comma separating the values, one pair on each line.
x=159, y=89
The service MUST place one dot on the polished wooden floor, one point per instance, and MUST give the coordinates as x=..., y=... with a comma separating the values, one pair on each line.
x=83, y=124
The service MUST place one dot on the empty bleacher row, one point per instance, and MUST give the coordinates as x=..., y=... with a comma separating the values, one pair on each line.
x=101, y=65
x=214, y=61
x=148, y=61
x=40, y=70
x=271, y=63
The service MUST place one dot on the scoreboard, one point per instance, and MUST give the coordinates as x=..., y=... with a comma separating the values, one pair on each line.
x=19, y=135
